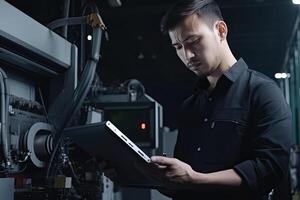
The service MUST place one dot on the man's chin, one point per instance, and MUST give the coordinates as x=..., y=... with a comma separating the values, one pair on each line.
x=201, y=71
x=201, y=74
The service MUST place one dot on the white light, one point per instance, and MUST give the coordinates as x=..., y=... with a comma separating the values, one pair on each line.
x=296, y=2
x=282, y=75
x=278, y=75
x=89, y=37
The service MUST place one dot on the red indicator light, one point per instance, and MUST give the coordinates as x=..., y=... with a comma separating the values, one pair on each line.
x=143, y=126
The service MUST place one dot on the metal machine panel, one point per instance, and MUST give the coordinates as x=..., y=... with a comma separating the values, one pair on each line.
x=22, y=30
x=21, y=86
x=7, y=188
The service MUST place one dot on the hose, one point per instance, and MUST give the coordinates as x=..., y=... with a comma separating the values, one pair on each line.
x=4, y=118
x=79, y=94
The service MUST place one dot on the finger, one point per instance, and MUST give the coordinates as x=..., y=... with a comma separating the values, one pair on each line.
x=162, y=160
x=162, y=167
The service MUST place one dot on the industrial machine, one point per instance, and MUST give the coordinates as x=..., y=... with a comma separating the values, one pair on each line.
x=48, y=84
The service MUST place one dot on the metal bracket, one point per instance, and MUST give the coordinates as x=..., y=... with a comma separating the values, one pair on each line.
x=95, y=20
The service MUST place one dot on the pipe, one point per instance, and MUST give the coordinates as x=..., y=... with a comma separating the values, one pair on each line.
x=94, y=9
x=79, y=94
x=66, y=15
x=4, y=118
x=66, y=21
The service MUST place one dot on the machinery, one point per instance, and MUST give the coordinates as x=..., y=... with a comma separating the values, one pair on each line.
x=48, y=84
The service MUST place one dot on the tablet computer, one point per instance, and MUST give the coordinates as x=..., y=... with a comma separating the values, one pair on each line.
x=106, y=142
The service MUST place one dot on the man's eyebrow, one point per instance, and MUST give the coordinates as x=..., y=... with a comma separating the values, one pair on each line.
x=174, y=44
x=189, y=37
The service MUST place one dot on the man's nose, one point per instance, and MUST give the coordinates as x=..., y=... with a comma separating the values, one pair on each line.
x=188, y=54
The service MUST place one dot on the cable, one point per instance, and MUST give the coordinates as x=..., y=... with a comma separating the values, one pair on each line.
x=67, y=21
x=43, y=104
x=87, y=77
x=93, y=8
x=4, y=117
x=66, y=15
x=79, y=94
x=71, y=111
x=73, y=172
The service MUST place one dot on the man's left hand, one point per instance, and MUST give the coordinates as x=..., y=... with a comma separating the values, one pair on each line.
x=173, y=173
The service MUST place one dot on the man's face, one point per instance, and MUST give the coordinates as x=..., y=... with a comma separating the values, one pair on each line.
x=197, y=45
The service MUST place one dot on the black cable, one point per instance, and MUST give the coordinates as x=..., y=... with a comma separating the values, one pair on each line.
x=44, y=107
x=79, y=94
x=94, y=9
x=82, y=89
x=66, y=15
x=73, y=109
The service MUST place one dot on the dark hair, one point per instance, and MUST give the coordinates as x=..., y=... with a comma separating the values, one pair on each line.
x=206, y=9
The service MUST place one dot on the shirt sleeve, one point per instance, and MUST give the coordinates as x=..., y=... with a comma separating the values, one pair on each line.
x=270, y=141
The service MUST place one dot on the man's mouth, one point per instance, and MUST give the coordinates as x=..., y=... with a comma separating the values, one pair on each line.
x=193, y=65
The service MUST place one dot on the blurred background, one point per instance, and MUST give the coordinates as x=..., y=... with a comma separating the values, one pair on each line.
x=262, y=32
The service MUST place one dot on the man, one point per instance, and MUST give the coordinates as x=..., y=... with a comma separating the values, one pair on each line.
x=234, y=135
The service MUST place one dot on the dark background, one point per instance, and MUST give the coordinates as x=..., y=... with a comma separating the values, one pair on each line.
x=259, y=31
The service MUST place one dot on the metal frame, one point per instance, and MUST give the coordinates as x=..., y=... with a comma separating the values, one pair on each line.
x=30, y=36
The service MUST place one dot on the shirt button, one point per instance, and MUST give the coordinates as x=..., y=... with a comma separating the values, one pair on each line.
x=209, y=99
x=205, y=119
x=199, y=149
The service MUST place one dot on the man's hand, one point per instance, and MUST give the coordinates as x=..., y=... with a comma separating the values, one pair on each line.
x=172, y=173
x=177, y=175
x=175, y=171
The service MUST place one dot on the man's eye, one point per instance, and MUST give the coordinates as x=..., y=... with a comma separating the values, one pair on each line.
x=177, y=47
x=195, y=41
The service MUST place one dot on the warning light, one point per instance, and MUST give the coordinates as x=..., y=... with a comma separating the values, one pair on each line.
x=143, y=126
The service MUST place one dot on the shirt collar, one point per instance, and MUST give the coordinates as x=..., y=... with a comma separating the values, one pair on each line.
x=228, y=77
x=234, y=72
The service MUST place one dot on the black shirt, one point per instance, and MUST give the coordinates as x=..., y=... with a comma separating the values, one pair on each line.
x=243, y=124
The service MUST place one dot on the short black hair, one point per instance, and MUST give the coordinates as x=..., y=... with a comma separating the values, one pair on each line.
x=207, y=9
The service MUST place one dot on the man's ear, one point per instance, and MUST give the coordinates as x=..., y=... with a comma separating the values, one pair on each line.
x=221, y=30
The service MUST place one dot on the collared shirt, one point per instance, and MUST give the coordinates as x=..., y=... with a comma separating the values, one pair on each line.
x=243, y=124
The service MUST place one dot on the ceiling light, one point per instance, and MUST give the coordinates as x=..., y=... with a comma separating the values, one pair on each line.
x=278, y=76
x=296, y=2
x=282, y=75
